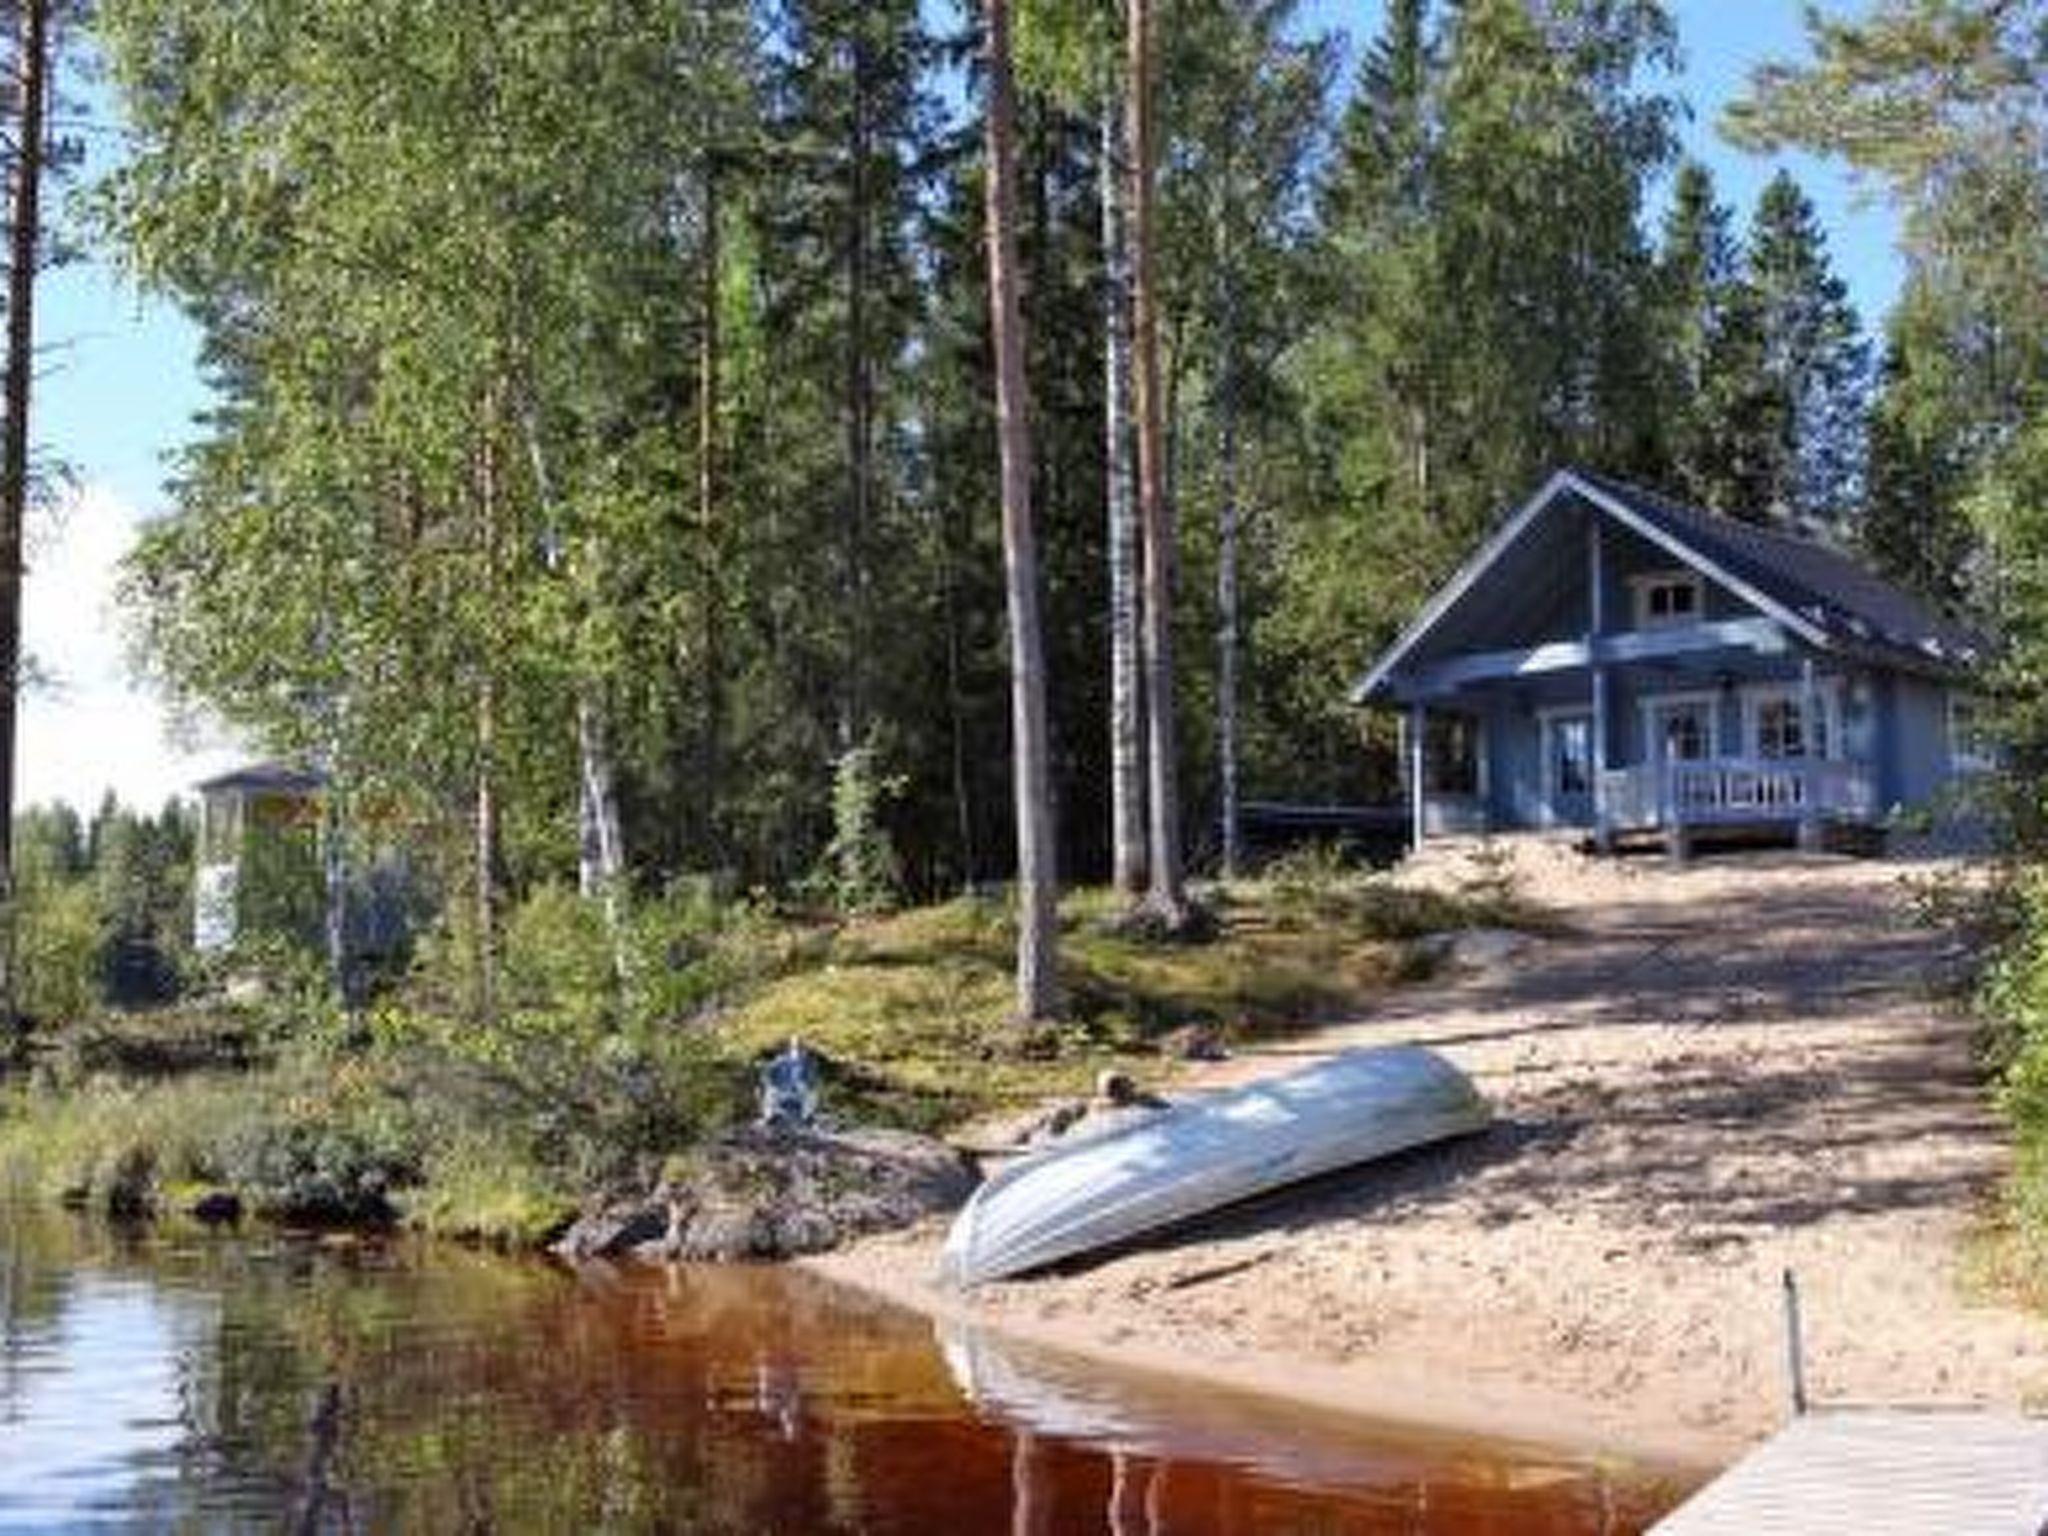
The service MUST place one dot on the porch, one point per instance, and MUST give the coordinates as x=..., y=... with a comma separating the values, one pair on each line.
x=1738, y=791
x=1761, y=750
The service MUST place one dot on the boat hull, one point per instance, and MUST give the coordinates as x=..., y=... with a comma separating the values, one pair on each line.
x=1209, y=1152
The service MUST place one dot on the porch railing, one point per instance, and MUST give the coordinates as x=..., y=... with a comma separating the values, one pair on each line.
x=1736, y=789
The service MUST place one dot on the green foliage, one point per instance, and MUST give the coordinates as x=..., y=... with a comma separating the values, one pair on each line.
x=558, y=962
x=1487, y=308
x=1814, y=360
x=1947, y=106
x=103, y=915
x=58, y=945
x=484, y=1185
x=860, y=872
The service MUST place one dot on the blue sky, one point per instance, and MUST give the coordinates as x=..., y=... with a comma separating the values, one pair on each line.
x=119, y=387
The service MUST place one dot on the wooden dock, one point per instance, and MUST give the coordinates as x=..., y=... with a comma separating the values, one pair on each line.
x=1900, y=1471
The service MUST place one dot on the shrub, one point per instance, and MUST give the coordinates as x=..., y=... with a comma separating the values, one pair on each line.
x=558, y=960
x=58, y=949
x=860, y=872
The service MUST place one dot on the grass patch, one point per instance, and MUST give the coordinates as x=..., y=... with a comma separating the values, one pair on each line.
x=919, y=1005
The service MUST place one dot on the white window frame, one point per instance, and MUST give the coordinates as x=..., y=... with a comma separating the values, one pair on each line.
x=1546, y=723
x=1650, y=703
x=1828, y=690
x=1980, y=757
x=1646, y=582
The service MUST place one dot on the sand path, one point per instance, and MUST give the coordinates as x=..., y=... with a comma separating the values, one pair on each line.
x=1708, y=1075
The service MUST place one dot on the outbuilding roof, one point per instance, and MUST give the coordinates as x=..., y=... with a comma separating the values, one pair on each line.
x=267, y=778
x=1820, y=595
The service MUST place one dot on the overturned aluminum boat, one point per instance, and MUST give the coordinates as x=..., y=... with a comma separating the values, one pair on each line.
x=1148, y=1172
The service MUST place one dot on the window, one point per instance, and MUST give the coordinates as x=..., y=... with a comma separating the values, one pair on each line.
x=1667, y=598
x=1971, y=748
x=1778, y=727
x=1567, y=754
x=1453, y=749
x=1685, y=735
x=1574, y=757
x=1682, y=727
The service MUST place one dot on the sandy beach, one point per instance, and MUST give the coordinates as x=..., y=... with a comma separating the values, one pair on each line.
x=1703, y=1077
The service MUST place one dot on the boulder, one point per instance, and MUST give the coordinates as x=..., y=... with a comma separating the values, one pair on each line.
x=775, y=1193
x=1474, y=949
x=215, y=1207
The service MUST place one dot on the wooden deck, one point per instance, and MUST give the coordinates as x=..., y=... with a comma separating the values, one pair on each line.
x=1903, y=1472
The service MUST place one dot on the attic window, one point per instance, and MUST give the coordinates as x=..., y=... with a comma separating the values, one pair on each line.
x=1667, y=598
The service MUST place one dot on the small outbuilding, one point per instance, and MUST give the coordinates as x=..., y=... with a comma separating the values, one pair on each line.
x=259, y=860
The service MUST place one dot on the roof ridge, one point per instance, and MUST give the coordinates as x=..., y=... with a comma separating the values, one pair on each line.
x=1741, y=524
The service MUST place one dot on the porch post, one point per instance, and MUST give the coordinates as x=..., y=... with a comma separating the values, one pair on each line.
x=1809, y=761
x=1596, y=622
x=1418, y=726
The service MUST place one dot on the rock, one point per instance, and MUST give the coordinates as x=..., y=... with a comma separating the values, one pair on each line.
x=761, y=1193
x=1195, y=1042
x=215, y=1207
x=1119, y=1090
x=247, y=990
x=616, y=1229
x=1474, y=949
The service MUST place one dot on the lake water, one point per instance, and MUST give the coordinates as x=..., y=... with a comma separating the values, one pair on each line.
x=268, y=1382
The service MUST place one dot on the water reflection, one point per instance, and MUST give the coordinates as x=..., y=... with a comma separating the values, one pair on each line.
x=1158, y=1434
x=269, y=1383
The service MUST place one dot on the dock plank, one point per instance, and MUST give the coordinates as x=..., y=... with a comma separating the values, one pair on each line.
x=1905, y=1472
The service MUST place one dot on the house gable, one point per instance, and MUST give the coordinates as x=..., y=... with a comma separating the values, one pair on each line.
x=1527, y=588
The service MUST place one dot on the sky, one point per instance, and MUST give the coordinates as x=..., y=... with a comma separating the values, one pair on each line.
x=119, y=385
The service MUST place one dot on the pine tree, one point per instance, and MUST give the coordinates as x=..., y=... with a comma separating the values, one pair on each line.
x=1698, y=283
x=1037, y=890
x=34, y=47
x=1815, y=360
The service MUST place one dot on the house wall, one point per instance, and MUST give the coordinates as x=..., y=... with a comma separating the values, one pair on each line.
x=1535, y=591
x=1628, y=555
x=1897, y=724
x=1919, y=756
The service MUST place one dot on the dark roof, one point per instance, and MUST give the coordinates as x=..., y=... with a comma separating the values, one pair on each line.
x=1845, y=600
x=274, y=777
x=1823, y=595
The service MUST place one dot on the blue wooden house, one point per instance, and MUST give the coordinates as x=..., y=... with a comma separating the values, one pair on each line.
x=1616, y=661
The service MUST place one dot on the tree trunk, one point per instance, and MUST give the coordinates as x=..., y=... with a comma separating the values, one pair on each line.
x=1166, y=894
x=485, y=852
x=1037, y=892
x=1226, y=593
x=334, y=875
x=956, y=714
x=600, y=854
x=486, y=811
x=711, y=600
x=1126, y=696
x=32, y=49
x=859, y=410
